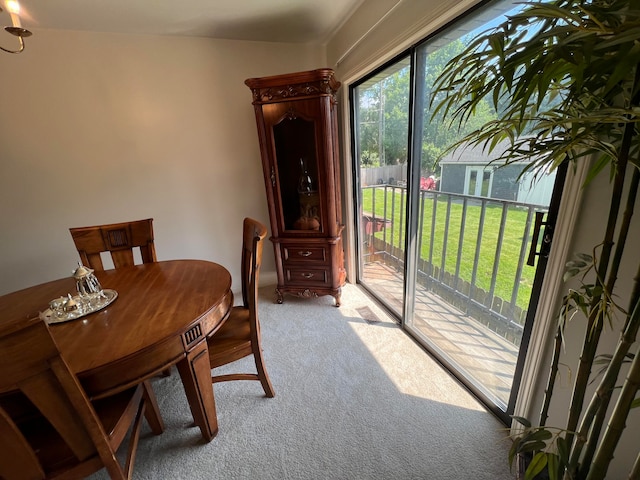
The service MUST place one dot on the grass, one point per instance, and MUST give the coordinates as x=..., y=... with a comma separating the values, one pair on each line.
x=435, y=226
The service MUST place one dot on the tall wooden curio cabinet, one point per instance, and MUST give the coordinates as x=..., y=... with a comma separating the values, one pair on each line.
x=297, y=128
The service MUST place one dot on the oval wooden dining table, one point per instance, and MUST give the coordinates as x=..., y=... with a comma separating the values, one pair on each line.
x=162, y=315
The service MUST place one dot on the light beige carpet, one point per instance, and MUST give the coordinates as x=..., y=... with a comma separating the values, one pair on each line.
x=355, y=399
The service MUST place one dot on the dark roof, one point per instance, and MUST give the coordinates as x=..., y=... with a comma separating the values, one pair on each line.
x=476, y=155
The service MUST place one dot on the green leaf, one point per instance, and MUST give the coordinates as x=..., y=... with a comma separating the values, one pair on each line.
x=513, y=451
x=586, y=257
x=538, y=463
x=522, y=421
x=624, y=69
x=496, y=41
x=596, y=169
x=563, y=450
x=552, y=466
x=539, y=434
x=531, y=447
x=630, y=36
x=576, y=264
x=570, y=273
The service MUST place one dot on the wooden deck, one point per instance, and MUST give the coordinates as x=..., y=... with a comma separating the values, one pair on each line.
x=481, y=355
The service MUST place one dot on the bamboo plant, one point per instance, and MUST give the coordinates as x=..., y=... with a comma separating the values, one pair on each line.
x=563, y=79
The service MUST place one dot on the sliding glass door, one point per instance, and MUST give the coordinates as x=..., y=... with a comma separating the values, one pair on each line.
x=382, y=126
x=446, y=241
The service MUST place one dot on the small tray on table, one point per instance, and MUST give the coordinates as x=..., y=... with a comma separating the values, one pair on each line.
x=84, y=308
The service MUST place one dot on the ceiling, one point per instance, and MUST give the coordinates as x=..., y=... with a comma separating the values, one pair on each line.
x=290, y=21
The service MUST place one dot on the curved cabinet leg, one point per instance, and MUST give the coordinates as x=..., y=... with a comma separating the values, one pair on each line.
x=280, y=298
x=338, y=297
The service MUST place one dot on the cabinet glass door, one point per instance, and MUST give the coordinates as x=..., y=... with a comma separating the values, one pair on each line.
x=297, y=166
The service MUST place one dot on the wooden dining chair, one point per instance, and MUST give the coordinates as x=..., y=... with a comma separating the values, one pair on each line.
x=119, y=239
x=239, y=336
x=48, y=426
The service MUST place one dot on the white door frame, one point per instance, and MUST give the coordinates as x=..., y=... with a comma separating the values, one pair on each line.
x=544, y=328
x=480, y=169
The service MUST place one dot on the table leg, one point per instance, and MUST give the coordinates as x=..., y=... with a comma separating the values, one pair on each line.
x=195, y=372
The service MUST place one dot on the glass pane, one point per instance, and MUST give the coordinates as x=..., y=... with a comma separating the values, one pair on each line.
x=468, y=289
x=486, y=182
x=381, y=124
x=295, y=145
x=473, y=287
x=473, y=175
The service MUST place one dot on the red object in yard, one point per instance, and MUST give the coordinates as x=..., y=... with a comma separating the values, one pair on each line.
x=428, y=183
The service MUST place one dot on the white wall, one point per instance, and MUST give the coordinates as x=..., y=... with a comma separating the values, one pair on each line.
x=98, y=128
x=366, y=42
x=380, y=29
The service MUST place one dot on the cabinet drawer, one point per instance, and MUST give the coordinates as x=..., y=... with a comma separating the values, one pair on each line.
x=307, y=276
x=301, y=253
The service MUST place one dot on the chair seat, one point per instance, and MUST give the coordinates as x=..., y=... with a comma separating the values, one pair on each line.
x=233, y=341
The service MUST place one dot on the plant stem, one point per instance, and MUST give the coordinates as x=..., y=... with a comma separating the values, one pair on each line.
x=622, y=241
x=594, y=324
x=601, y=398
x=553, y=373
x=595, y=413
x=617, y=420
x=635, y=470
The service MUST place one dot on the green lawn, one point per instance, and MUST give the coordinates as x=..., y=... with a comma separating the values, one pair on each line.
x=510, y=250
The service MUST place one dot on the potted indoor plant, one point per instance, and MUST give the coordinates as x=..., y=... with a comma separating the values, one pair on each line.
x=563, y=78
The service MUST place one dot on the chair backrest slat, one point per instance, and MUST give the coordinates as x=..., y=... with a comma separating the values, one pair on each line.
x=119, y=239
x=253, y=237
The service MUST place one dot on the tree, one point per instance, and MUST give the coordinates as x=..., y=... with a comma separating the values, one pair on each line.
x=384, y=115
x=369, y=101
x=396, y=113
x=438, y=135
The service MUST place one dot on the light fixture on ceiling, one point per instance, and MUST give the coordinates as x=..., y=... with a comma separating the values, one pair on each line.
x=13, y=8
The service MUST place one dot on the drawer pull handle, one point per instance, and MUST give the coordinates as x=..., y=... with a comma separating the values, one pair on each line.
x=307, y=275
x=305, y=253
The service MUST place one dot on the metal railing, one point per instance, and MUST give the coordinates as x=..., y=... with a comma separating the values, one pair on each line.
x=472, y=250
